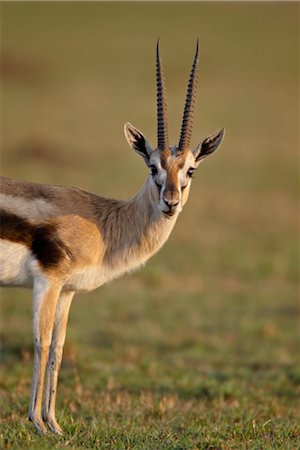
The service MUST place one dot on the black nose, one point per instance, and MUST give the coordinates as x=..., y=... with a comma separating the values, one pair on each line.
x=170, y=203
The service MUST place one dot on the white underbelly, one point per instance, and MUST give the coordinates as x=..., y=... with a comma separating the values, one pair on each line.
x=91, y=278
x=85, y=280
x=18, y=267
x=15, y=264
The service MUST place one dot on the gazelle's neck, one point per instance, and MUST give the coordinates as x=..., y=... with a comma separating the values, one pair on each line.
x=130, y=232
x=133, y=230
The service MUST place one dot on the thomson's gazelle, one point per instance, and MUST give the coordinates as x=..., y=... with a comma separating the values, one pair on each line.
x=60, y=241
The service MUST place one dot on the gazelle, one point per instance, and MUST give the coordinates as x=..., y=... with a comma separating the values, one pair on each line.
x=60, y=241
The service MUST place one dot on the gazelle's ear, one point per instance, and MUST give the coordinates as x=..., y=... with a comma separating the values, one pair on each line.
x=208, y=146
x=137, y=141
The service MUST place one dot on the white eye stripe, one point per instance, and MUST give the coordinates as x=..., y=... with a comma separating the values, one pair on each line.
x=183, y=178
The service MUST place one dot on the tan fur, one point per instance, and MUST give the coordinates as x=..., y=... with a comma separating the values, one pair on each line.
x=73, y=230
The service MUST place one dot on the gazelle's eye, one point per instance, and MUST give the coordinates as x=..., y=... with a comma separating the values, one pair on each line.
x=190, y=172
x=154, y=170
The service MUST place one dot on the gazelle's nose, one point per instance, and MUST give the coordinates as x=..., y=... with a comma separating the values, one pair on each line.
x=171, y=203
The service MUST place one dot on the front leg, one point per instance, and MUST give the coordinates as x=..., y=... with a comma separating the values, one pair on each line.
x=54, y=359
x=45, y=296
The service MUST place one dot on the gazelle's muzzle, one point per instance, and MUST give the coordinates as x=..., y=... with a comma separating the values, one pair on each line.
x=170, y=200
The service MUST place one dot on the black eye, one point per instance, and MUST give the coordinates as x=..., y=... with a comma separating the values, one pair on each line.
x=190, y=172
x=154, y=170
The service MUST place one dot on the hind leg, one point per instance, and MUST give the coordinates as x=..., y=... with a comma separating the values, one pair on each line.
x=54, y=359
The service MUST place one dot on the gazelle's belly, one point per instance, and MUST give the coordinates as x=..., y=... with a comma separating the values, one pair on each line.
x=85, y=280
x=89, y=278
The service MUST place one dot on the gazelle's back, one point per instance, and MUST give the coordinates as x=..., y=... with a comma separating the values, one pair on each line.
x=34, y=201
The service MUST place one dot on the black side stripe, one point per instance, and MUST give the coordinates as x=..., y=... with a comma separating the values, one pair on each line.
x=42, y=240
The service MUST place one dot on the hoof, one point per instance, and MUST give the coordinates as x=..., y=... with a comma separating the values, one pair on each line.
x=53, y=426
x=39, y=425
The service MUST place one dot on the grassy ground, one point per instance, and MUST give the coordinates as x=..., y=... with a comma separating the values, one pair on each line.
x=198, y=349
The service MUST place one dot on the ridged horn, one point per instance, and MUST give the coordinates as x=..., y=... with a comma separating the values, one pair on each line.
x=188, y=115
x=162, y=122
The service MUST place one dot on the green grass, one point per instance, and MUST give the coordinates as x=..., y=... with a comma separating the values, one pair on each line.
x=200, y=348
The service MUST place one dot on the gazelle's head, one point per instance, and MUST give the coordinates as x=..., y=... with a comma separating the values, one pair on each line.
x=172, y=167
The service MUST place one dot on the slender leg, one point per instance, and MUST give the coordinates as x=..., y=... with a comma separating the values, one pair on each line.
x=54, y=360
x=45, y=296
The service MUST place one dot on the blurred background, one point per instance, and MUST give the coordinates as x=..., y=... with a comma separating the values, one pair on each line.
x=214, y=316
